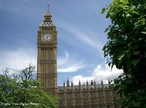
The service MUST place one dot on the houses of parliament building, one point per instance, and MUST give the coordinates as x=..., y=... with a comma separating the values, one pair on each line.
x=89, y=95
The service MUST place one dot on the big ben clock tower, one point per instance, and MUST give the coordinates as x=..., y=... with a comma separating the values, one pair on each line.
x=47, y=54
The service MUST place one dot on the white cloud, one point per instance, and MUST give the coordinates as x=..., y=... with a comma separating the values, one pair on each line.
x=17, y=60
x=100, y=73
x=82, y=79
x=105, y=73
x=67, y=64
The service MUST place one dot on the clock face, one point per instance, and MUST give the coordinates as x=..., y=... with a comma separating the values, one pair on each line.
x=46, y=37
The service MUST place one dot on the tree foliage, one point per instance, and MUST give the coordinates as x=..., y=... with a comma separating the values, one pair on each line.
x=126, y=49
x=22, y=91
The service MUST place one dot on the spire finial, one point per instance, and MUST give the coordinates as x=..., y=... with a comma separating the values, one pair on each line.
x=48, y=6
x=48, y=12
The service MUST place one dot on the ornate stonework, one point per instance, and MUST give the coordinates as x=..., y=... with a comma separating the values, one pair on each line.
x=89, y=95
x=47, y=54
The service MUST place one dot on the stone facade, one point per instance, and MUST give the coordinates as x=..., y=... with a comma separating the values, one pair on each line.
x=89, y=95
x=47, y=54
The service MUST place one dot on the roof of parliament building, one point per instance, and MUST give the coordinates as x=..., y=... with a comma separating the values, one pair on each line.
x=87, y=85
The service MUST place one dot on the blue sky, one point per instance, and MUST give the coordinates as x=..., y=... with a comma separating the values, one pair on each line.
x=80, y=26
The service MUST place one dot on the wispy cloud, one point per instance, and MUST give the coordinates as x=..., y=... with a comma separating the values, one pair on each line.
x=69, y=64
x=85, y=39
x=78, y=36
x=18, y=59
x=101, y=72
x=62, y=60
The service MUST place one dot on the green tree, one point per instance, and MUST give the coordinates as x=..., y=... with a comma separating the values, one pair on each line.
x=22, y=91
x=126, y=49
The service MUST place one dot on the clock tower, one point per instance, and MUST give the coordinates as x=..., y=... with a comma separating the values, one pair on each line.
x=47, y=54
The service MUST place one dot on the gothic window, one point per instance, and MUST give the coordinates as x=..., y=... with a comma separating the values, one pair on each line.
x=99, y=93
x=76, y=95
x=91, y=94
x=68, y=95
x=84, y=101
x=84, y=94
x=76, y=102
x=106, y=92
x=92, y=101
x=68, y=102
x=107, y=100
x=99, y=100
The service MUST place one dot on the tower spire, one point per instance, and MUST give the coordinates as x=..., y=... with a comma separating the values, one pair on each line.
x=47, y=21
x=48, y=12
